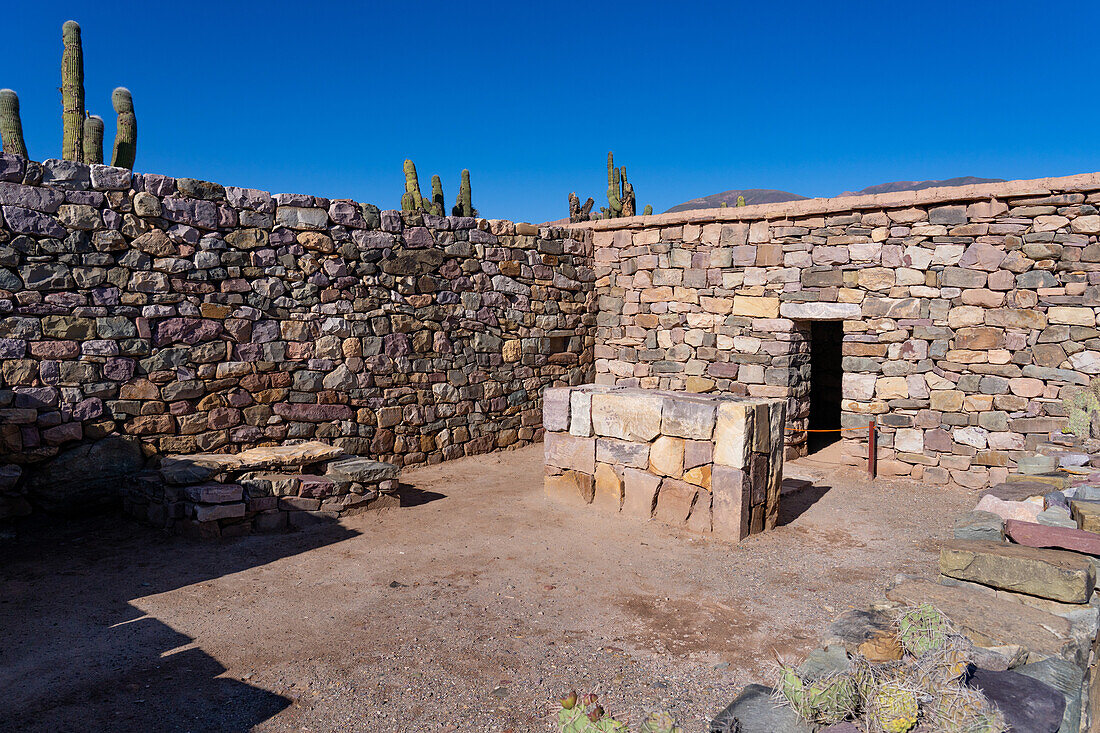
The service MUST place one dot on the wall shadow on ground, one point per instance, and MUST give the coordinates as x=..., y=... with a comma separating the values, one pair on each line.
x=75, y=654
x=797, y=496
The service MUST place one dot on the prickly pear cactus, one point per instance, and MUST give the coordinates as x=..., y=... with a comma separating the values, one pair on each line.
x=959, y=709
x=93, y=139
x=893, y=708
x=11, y=126
x=583, y=715
x=922, y=629
x=940, y=667
x=125, y=150
x=72, y=92
x=660, y=722
x=827, y=700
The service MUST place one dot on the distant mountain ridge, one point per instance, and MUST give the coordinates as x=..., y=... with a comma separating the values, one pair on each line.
x=771, y=195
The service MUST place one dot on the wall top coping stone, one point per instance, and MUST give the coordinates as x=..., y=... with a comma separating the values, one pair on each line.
x=895, y=200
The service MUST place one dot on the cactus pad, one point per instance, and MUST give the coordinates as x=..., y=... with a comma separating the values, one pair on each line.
x=893, y=708
x=922, y=629
x=827, y=700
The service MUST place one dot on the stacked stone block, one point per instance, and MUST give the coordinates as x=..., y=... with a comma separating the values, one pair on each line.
x=967, y=313
x=193, y=317
x=710, y=463
x=259, y=489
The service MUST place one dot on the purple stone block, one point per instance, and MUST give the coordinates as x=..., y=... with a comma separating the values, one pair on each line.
x=418, y=238
x=391, y=221
x=26, y=221
x=88, y=409
x=294, y=199
x=250, y=198
x=112, y=219
x=11, y=167
x=119, y=369
x=110, y=178
x=159, y=185
x=12, y=348
x=347, y=213
x=31, y=197
x=477, y=236
x=396, y=344
x=365, y=240
x=282, y=237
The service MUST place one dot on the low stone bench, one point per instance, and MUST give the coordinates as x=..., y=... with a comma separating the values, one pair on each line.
x=711, y=463
x=265, y=489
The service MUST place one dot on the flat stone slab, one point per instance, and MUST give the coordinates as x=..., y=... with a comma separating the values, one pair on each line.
x=1060, y=538
x=363, y=470
x=979, y=526
x=214, y=493
x=1058, y=481
x=1027, y=704
x=856, y=627
x=990, y=621
x=1023, y=510
x=280, y=456
x=1017, y=490
x=1056, y=516
x=1054, y=574
x=196, y=468
x=1067, y=679
x=755, y=711
x=1087, y=514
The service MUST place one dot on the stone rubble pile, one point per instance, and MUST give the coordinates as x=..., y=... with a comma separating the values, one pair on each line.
x=264, y=489
x=710, y=463
x=1018, y=581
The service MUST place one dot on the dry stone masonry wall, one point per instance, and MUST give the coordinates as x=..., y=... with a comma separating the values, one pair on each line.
x=967, y=312
x=190, y=317
x=710, y=463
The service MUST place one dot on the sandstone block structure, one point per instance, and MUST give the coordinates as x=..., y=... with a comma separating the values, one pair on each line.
x=711, y=463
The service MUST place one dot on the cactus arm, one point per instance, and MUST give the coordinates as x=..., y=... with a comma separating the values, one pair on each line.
x=648, y=210
x=438, y=207
x=72, y=92
x=11, y=126
x=93, y=139
x=412, y=199
x=465, y=198
x=125, y=150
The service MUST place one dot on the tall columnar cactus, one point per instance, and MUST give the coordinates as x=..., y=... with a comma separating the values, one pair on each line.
x=740, y=200
x=125, y=150
x=614, y=200
x=648, y=210
x=464, y=205
x=411, y=200
x=72, y=92
x=11, y=127
x=93, y=139
x=627, y=197
x=438, y=207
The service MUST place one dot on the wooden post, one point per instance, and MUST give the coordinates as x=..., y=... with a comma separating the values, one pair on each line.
x=872, y=449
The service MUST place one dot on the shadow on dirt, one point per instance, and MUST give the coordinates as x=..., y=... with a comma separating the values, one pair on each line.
x=796, y=498
x=75, y=654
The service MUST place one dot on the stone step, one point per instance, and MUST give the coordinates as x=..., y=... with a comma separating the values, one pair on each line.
x=990, y=621
x=1057, y=480
x=283, y=456
x=1060, y=538
x=1055, y=574
x=213, y=493
x=362, y=470
x=1017, y=490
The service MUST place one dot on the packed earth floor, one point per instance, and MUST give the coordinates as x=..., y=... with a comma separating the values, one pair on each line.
x=473, y=609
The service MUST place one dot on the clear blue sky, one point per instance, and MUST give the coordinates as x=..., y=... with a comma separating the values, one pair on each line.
x=811, y=97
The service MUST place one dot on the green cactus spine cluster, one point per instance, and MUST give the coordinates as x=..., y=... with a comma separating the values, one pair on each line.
x=660, y=722
x=411, y=200
x=827, y=700
x=740, y=200
x=959, y=709
x=648, y=210
x=464, y=205
x=11, y=126
x=125, y=150
x=93, y=139
x=72, y=92
x=893, y=709
x=922, y=629
x=583, y=715
x=436, y=206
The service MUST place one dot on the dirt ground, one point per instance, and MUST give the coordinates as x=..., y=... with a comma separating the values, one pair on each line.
x=471, y=610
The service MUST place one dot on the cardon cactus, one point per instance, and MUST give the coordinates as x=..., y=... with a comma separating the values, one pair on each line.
x=72, y=92
x=577, y=212
x=740, y=200
x=436, y=206
x=627, y=197
x=125, y=150
x=959, y=709
x=648, y=210
x=614, y=200
x=893, y=708
x=411, y=200
x=922, y=629
x=93, y=139
x=660, y=722
x=827, y=700
x=11, y=126
x=464, y=205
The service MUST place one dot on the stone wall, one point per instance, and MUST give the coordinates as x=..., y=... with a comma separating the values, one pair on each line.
x=967, y=312
x=188, y=316
x=709, y=463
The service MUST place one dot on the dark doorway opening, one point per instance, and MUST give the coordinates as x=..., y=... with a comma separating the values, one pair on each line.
x=825, y=378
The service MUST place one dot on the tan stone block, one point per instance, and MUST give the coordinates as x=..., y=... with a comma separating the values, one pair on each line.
x=876, y=278
x=580, y=413
x=946, y=400
x=891, y=388
x=609, y=488
x=639, y=492
x=700, y=476
x=512, y=350
x=1071, y=316
x=629, y=415
x=685, y=417
x=700, y=520
x=666, y=456
x=731, y=509
x=965, y=315
x=570, y=487
x=699, y=385
x=753, y=307
x=674, y=501
x=733, y=434
x=622, y=452
x=570, y=452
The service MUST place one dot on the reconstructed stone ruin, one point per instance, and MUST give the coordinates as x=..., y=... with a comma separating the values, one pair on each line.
x=958, y=318
x=144, y=316
x=710, y=463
